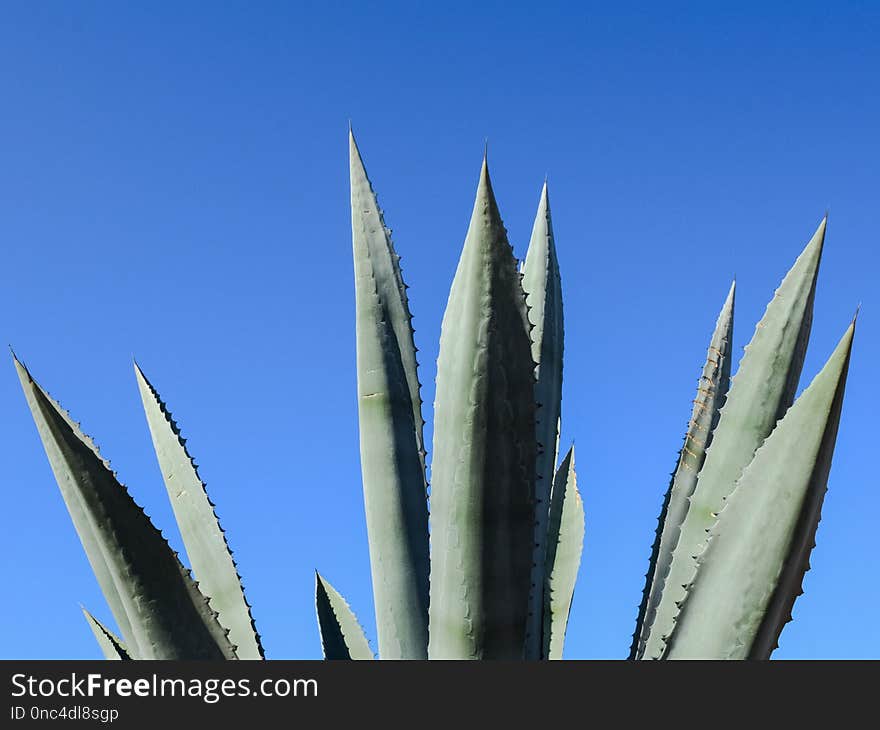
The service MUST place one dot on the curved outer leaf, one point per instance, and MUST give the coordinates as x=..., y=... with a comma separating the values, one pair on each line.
x=565, y=543
x=341, y=635
x=90, y=542
x=169, y=617
x=711, y=392
x=760, y=393
x=110, y=644
x=483, y=472
x=752, y=567
x=204, y=539
x=543, y=287
x=390, y=419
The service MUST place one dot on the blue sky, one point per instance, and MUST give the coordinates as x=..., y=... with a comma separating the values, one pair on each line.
x=174, y=186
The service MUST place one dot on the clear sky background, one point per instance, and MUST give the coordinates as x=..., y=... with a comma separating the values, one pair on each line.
x=174, y=186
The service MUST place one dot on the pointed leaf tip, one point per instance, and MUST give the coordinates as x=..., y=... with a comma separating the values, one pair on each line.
x=845, y=344
x=727, y=309
x=485, y=193
x=110, y=644
x=820, y=231
x=24, y=375
x=354, y=154
x=342, y=636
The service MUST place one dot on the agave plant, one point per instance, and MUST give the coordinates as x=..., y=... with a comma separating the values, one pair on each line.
x=739, y=519
x=506, y=526
x=496, y=575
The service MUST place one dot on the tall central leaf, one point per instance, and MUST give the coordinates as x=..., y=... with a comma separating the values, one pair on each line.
x=390, y=419
x=483, y=472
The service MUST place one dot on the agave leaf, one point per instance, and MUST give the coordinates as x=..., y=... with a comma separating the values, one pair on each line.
x=341, y=635
x=483, y=472
x=169, y=617
x=711, y=392
x=759, y=396
x=90, y=541
x=543, y=287
x=565, y=543
x=751, y=570
x=111, y=645
x=206, y=546
x=390, y=419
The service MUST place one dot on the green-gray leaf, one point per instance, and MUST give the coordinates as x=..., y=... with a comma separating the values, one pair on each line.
x=543, y=287
x=90, y=541
x=341, y=635
x=390, y=420
x=565, y=543
x=204, y=539
x=751, y=570
x=483, y=472
x=711, y=392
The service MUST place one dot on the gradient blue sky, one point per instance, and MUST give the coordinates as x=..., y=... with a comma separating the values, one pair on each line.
x=174, y=186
